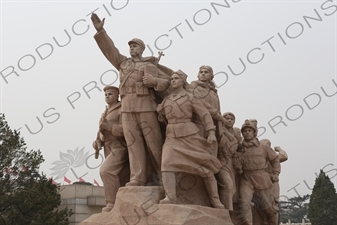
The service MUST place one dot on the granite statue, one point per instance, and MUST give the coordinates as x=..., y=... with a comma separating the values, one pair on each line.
x=165, y=129
x=205, y=90
x=227, y=177
x=140, y=80
x=266, y=215
x=114, y=171
x=254, y=179
x=184, y=149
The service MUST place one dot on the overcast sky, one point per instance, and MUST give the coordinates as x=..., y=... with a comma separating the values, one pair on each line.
x=274, y=61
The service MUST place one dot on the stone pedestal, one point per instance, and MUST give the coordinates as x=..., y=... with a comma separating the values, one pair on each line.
x=139, y=205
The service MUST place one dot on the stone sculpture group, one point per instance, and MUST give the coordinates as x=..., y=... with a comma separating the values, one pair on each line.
x=165, y=129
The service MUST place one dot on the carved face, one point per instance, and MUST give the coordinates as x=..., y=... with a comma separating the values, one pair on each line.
x=229, y=121
x=248, y=133
x=111, y=97
x=176, y=81
x=204, y=75
x=135, y=50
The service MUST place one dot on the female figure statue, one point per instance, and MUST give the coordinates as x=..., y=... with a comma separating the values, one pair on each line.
x=184, y=149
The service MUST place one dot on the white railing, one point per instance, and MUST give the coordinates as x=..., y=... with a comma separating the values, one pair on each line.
x=295, y=223
x=290, y=223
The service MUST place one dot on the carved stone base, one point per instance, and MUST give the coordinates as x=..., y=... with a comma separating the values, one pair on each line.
x=139, y=205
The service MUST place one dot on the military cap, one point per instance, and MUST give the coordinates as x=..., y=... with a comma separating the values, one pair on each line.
x=112, y=88
x=228, y=113
x=137, y=41
x=209, y=68
x=250, y=124
x=181, y=74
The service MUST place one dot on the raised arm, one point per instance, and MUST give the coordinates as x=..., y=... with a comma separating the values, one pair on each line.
x=97, y=22
x=105, y=43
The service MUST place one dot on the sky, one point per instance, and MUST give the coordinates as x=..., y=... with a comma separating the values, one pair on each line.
x=274, y=61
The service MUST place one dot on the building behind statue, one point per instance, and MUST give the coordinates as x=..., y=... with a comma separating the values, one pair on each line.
x=83, y=198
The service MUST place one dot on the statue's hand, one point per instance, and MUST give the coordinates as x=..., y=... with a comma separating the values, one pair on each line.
x=104, y=126
x=149, y=80
x=97, y=22
x=275, y=178
x=237, y=163
x=97, y=145
x=211, y=137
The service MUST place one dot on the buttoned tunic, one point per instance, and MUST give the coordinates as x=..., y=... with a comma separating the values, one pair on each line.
x=114, y=171
x=138, y=107
x=256, y=159
x=184, y=149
